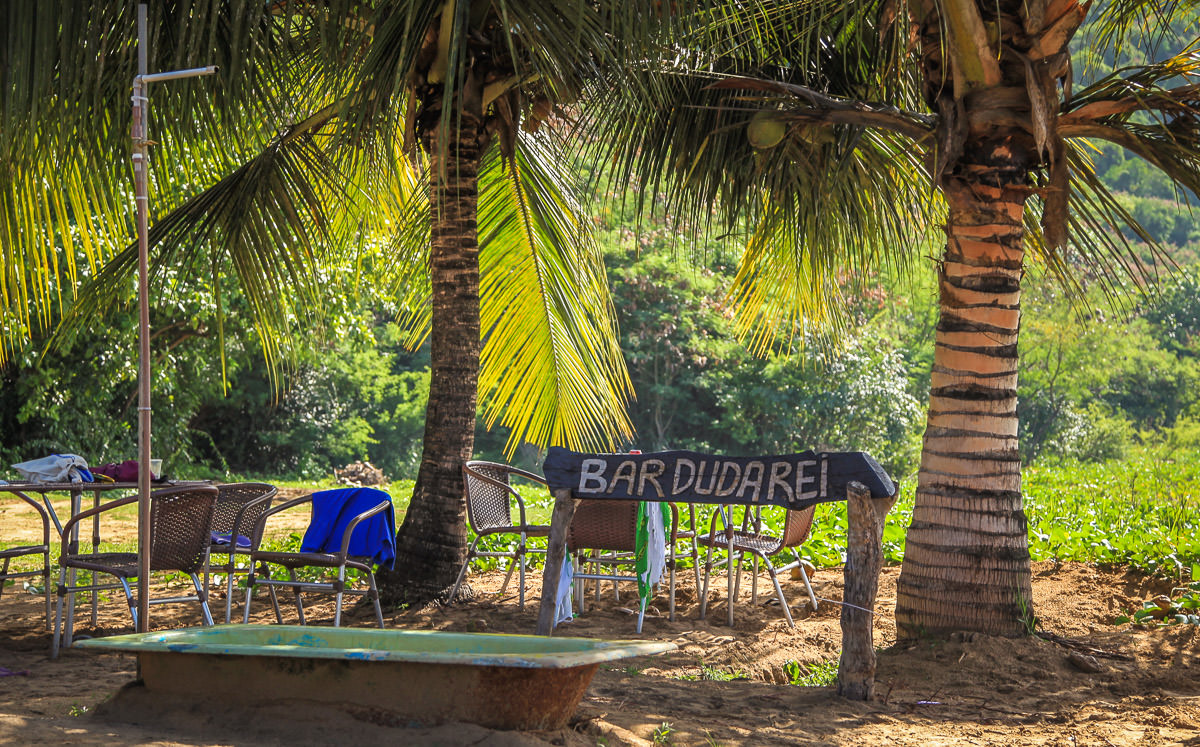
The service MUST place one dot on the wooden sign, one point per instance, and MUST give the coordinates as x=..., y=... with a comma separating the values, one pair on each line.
x=793, y=480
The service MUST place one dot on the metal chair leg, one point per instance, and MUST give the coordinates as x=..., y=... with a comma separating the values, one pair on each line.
x=754, y=581
x=58, y=615
x=202, y=595
x=374, y=594
x=46, y=587
x=299, y=601
x=807, y=585
x=128, y=597
x=339, y=594
x=579, y=586
x=228, y=592
x=731, y=588
x=462, y=572
x=671, y=612
x=787, y=612
x=266, y=571
x=249, y=594
x=704, y=591
x=521, y=575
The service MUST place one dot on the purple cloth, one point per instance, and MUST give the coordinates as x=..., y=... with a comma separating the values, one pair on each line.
x=332, y=512
x=222, y=538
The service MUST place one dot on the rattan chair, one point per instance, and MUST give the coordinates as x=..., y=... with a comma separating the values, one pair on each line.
x=751, y=539
x=239, y=506
x=180, y=518
x=339, y=561
x=603, y=535
x=490, y=499
x=21, y=551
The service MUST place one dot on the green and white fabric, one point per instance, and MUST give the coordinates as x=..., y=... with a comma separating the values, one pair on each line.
x=651, y=544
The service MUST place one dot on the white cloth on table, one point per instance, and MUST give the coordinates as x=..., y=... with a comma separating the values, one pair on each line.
x=55, y=468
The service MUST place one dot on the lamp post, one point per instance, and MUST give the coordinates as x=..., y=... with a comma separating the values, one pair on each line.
x=141, y=198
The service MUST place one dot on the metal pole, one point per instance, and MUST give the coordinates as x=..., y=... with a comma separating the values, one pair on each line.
x=142, y=198
x=141, y=191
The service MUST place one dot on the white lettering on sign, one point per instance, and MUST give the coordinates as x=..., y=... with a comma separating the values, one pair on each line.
x=779, y=473
x=625, y=473
x=729, y=483
x=705, y=489
x=678, y=487
x=652, y=469
x=757, y=469
x=591, y=476
x=804, y=477
x=753, y=481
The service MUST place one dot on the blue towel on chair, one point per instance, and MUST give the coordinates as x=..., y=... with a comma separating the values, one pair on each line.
x=332, y=511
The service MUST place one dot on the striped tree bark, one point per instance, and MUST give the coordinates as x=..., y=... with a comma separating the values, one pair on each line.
x=966, y=564
x=431, y=542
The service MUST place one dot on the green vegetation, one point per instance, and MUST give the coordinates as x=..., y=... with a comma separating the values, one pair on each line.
x=708, y=672
x=1182, y=607
x=818, y=674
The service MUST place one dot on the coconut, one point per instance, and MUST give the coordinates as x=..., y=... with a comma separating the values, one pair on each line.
x=766, y=130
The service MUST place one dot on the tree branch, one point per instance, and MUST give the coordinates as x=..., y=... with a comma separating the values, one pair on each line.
x=1091, y=113
x=840, y=111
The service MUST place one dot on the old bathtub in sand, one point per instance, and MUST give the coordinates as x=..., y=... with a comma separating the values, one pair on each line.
x=427, y=677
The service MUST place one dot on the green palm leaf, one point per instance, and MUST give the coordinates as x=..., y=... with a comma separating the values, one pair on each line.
x=550, y=363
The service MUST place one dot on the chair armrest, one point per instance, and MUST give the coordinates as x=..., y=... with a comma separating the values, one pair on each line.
x=261, y=524
x=41, y=510
x=240, y=517
x=528, y=475
x=520, y=501
x=70, y=525
x=725, y=521
x=346, y=535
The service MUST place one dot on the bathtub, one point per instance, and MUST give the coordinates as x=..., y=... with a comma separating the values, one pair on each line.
x=424, y=677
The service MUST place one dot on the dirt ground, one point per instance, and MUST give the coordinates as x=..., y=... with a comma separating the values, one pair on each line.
x=971, y=690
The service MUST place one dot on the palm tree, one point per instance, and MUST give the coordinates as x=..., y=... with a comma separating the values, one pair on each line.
x=416, y=127
x=830, y=96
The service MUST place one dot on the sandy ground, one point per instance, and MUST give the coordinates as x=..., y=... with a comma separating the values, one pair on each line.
x=970, y=690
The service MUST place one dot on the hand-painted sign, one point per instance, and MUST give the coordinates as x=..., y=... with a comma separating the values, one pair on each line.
x=793, y=480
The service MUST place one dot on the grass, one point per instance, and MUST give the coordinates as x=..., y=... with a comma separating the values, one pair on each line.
x=1143, y=512
x=710, y=673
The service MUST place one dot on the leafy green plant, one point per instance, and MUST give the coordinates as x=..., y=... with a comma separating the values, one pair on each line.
x=714, y=674
x=662, y=733
x=821, y=674
x=1181, y=608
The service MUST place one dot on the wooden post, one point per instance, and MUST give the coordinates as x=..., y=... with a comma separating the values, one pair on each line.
x=864, y=559
x=556, y=550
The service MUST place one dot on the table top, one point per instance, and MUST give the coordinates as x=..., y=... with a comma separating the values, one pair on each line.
x=88, y=487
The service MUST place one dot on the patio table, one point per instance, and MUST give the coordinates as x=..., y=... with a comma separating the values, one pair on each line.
x=76, y=490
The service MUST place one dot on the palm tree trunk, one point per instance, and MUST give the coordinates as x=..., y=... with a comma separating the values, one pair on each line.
x=966, y=564
x=431, y=542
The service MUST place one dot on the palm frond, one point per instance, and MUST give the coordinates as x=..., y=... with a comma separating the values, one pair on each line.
x=268, y=218
x=64, y=128
x=805, y=254
x=1145, y=24
x=551, y=367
